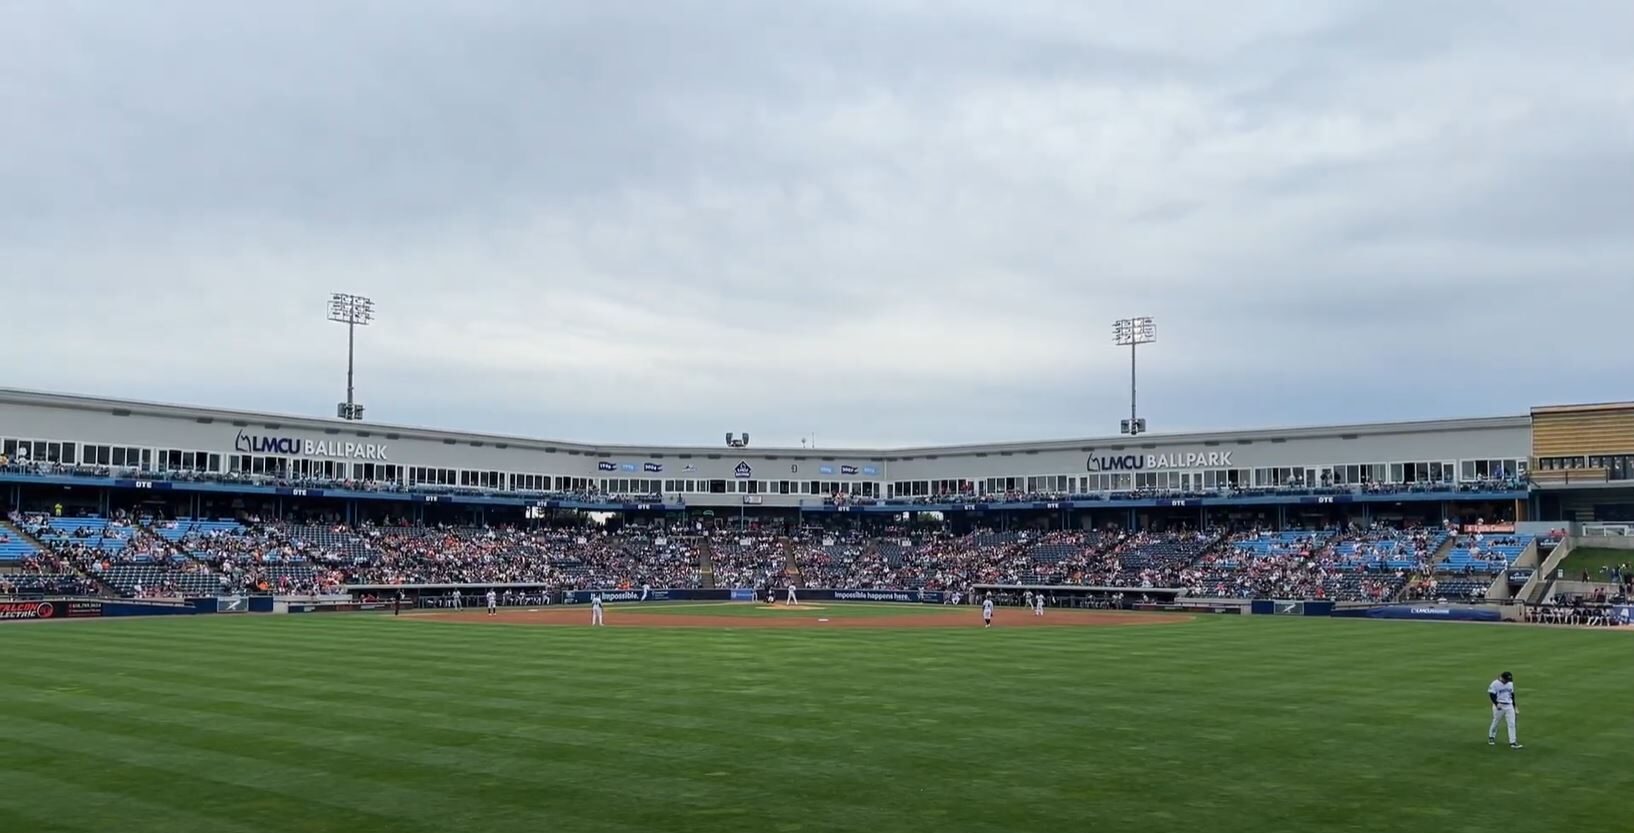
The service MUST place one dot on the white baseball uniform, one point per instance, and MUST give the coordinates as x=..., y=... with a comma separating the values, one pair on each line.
x=493, y=603
x=1038, y=604
x=987, y=613
x=595, y=609
x=1503, y=709
x=792, y=600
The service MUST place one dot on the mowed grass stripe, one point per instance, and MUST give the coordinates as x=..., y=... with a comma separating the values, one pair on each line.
x=81, y=802
x=1254, y=724
x=561, y=734
x=458, y=772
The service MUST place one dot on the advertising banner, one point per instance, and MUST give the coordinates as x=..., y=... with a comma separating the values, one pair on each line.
x=815, y=594
x=79, y=608
x=28, y=611
x=1450, y=614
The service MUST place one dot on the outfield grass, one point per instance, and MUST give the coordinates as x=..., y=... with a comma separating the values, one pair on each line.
x=373, y=723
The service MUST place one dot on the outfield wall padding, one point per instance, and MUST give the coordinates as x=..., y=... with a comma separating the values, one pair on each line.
x=1425, y=612
x=814, y=594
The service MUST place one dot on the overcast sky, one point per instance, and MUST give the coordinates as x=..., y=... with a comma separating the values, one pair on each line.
x=875, y=221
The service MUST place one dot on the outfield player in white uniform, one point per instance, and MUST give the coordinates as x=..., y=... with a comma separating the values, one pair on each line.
x=493, y=603
x=1502, y=695
x=595, y=609
x=987, y=612
x=1038, y=603
x=792, y=600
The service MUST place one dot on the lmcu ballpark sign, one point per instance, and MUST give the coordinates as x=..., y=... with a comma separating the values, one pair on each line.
x=295, y=447
x=1159, y=462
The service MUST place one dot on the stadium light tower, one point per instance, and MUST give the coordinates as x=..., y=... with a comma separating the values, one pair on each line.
x=1133, y=332
x=354, y=311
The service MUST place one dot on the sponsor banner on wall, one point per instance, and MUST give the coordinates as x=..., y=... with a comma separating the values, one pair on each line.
x=622, y=596
x=923, y=596
x=1450, y=614
x=1489, y=529
x=26, y=611
x=79, y=609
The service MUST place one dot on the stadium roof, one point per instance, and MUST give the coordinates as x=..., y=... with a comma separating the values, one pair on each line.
x=123, y=407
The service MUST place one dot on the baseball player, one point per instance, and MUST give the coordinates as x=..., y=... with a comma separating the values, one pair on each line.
x=1038, y=603
x=771, y=596
x=1502, y=695
x=792, y=600
x=595, y=609
x=987, y=611
x=493, y=602
x=1027, y=598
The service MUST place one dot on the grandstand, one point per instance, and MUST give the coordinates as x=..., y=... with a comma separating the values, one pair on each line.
x=1351, y=511
x=1484, y=554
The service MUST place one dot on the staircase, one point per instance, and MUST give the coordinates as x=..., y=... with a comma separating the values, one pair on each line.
x=791, y=565
x=706, y=564
x=1442, y=552
x=1541, y=584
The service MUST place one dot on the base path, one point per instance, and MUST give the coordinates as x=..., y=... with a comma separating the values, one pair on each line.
x=629, y=617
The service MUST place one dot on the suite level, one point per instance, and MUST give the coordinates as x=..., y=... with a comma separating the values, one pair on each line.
x=159, y=461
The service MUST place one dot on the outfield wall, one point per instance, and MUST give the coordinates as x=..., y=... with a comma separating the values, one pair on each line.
x=1441, y=613
x=744, y=594
x=85, y=608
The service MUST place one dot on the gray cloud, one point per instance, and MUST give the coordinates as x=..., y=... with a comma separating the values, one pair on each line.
x=892, y=222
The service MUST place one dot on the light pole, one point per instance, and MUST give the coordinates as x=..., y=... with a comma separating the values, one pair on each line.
x=1133, y=332
x=354, y=311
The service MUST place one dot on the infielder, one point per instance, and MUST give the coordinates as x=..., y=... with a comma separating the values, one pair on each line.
x=595, y=609
x=792, y=600
x=1038, y=603
x=987, y=612
x=1502, y=695
x=493, y=603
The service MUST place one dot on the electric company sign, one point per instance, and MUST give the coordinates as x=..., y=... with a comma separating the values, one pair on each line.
x=1155, y=462
x=292, y=446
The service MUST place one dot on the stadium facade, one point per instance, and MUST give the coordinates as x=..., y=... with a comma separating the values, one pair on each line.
x=1570, y=463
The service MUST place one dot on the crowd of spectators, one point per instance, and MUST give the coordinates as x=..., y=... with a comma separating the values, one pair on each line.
x=149, y=556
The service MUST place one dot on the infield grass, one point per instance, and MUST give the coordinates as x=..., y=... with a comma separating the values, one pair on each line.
x=367, y=724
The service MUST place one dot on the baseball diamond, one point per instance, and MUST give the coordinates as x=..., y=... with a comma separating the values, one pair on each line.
x=435, y=630
x=804, y=416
